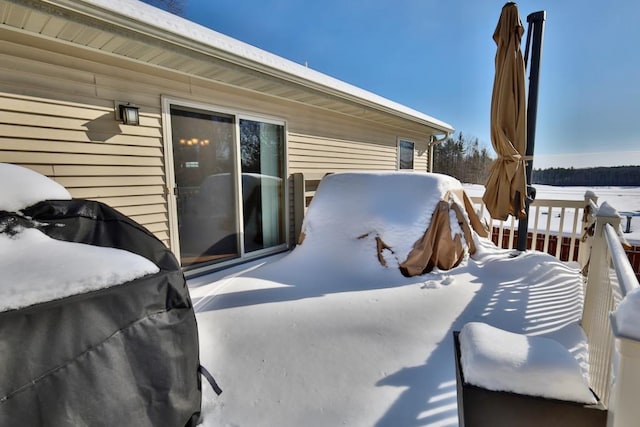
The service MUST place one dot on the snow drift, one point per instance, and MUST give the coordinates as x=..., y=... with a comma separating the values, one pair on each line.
x=499, y=360
x=412, y=221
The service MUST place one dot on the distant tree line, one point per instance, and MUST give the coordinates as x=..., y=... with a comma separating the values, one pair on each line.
x=462, y=158
x=617, y=175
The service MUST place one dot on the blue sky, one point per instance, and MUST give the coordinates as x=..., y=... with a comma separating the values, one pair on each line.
x=436, y=56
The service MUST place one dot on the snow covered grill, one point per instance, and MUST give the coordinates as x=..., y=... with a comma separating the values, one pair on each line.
x=96, y=322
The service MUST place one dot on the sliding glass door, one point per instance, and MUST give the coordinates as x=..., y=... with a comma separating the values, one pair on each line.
x=229, y=184
x=204, y=169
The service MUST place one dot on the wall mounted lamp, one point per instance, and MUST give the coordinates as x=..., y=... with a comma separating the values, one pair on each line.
x=127, y=113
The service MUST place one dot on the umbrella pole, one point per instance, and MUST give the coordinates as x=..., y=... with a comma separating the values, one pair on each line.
x=535, y=35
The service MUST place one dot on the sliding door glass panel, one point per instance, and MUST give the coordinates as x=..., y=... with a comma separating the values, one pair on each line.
x=262, y=159
x=204, y=165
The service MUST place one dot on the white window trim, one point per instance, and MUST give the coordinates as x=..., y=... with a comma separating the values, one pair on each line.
x=413, y=143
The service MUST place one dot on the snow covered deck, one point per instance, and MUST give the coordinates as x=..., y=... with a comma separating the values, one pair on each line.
x=300, y=342
x=326, y=335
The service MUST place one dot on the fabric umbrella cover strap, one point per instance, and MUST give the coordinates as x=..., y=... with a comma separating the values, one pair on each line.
x=505, y=192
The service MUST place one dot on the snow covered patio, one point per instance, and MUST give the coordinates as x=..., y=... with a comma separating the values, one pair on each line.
x=295, y=342
x=325, y=335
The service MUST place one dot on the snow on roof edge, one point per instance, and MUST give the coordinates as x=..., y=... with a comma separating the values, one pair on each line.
x=159, y=19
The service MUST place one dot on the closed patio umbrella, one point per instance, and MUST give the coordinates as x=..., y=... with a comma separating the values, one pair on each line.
x=505, y=191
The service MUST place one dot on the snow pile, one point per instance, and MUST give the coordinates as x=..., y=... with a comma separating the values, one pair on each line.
x=35, y=268
x=354, y=209
x=21, y=187
x=605, y=209
x=627, y=316
x=504, y=361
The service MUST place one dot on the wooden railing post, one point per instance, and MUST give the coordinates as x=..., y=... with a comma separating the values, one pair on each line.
x=298, y=205
x=584, y=249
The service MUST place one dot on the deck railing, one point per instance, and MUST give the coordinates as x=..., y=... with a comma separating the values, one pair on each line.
x=614, y=361
x=555, y=226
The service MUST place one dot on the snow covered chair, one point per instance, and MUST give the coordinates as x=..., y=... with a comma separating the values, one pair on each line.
x=525, y=381
x=96, y=322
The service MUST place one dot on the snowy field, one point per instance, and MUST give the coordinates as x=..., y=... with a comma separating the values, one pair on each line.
x=326, y=336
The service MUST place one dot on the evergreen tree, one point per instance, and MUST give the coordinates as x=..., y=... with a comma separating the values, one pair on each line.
x=463, y=159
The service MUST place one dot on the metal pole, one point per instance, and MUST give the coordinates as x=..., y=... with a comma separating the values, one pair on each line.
x=536, y=34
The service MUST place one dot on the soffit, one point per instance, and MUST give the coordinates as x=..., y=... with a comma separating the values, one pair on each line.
x=45, y=20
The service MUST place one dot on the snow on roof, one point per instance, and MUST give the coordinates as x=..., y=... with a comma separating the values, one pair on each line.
x=154, y=17
x=21, y=187
x=535, y=366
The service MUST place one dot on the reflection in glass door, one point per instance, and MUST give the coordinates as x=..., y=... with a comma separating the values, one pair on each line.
x=227, y=207
x=204, y=168
x=262, y=158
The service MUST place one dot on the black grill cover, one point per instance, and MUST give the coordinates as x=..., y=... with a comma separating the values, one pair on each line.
x=121, y=356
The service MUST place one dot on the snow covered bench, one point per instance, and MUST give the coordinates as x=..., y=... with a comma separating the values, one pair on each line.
x=524, y=381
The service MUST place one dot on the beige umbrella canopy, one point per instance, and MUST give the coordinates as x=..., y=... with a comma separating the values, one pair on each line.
x=506, y=186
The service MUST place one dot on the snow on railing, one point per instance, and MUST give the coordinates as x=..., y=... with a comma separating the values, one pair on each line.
x=614, y=361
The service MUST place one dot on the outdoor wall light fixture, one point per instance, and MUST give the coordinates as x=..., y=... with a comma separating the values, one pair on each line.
x=127, y=113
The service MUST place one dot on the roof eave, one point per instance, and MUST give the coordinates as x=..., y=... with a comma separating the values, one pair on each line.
x=111, y=11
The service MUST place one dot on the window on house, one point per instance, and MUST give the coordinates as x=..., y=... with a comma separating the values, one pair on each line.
x=406, y=151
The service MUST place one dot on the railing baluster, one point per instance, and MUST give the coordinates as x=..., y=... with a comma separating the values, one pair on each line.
x=512, y=231
x=574, y=234
x=547, y=232
x=534, y=236
x=560, y=233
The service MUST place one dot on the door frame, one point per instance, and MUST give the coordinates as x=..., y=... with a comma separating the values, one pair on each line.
x=170, y=179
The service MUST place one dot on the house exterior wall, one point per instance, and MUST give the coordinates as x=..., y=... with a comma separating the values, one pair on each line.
x=57, y=117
